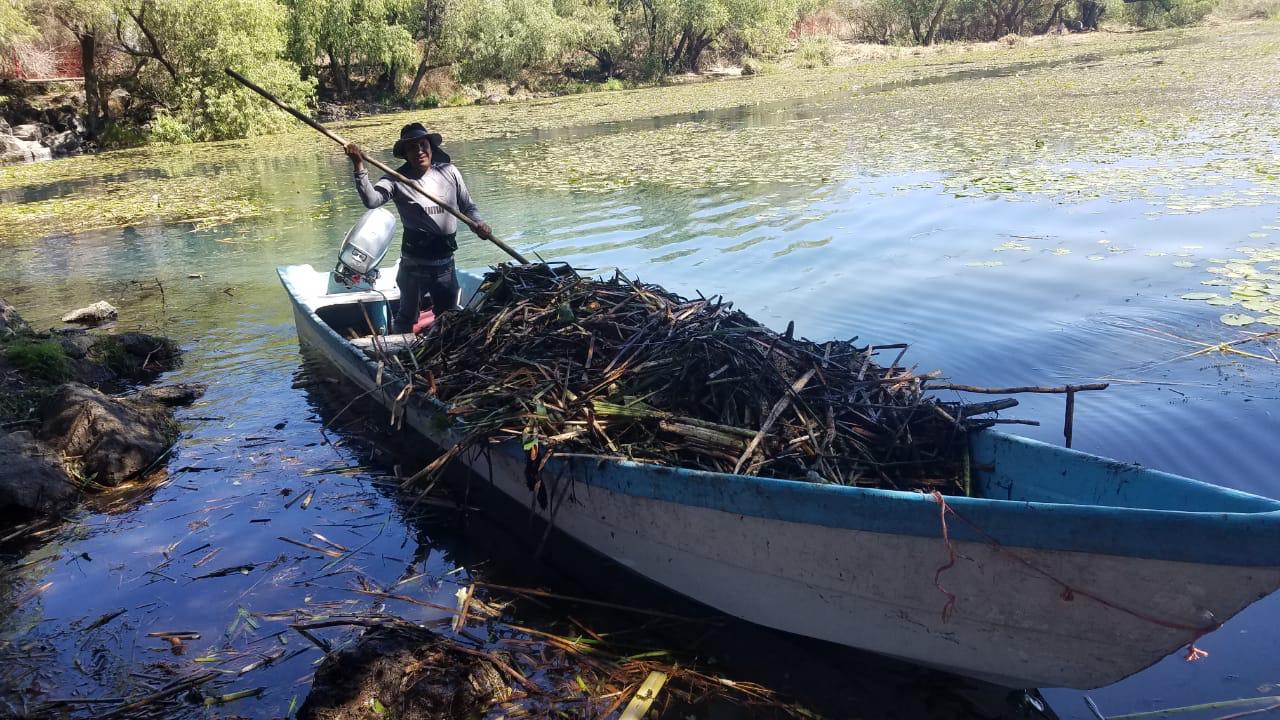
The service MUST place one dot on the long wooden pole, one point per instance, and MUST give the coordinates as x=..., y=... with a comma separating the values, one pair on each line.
x=374, y=162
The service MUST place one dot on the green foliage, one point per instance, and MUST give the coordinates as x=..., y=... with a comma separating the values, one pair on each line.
x=14, y=25
x=815, y=52
x=499, y=38
x=42, y=360
x=428, y=102
x=1156, y=14
x=166, y=129
x=123, y=134
x=339, y=35
x=196, y=41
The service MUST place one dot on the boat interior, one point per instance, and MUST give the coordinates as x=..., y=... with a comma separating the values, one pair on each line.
x=1009, y=467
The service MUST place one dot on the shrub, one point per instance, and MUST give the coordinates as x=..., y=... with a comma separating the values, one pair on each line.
x=167, y=129
x=1158, y=14
x=122, y=134
x=815, y=52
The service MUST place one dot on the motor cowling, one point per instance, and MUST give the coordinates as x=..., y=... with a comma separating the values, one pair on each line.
x=364, y=247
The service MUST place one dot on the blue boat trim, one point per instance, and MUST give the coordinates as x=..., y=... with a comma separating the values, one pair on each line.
x=1200, y=523
x=1218, y=538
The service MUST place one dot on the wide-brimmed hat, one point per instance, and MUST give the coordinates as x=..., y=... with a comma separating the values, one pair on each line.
x=416, y=131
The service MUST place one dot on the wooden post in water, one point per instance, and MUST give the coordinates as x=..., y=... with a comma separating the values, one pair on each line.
x=1071, y=411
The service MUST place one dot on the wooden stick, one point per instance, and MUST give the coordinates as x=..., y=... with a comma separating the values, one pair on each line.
x=1020, y=389
x=644, y=697
x=376, y=163
x=778, y=407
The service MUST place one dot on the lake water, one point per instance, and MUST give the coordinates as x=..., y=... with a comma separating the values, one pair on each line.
x=783, y=209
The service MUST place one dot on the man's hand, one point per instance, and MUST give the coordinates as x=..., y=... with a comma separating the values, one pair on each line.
x=356, y=154
x=482, y=229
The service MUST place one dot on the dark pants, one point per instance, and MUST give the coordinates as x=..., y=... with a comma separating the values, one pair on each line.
x=415, y=279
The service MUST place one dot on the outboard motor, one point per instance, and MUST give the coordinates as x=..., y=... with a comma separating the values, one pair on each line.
x=357, y=269
x=363, y=248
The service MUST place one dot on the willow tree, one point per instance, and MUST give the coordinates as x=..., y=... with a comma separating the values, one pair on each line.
x=500, y=38
x=676, y=33
x=184, y=46
x=339, y=36
x=90, y=21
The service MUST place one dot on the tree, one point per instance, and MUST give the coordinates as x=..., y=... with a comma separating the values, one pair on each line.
x=427, y=24
x=184, y=45
x=499, y=38
x=13, y=23
x=347, y=34
x=89, y=21
x=590, y=26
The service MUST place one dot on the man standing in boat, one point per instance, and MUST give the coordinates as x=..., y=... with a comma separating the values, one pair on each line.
x=430, y=231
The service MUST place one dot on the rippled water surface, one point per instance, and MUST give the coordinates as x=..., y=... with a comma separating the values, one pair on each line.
x=1033, y=227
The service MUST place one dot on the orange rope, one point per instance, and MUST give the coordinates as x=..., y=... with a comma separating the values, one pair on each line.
x=1068, y=592
x=949, y=608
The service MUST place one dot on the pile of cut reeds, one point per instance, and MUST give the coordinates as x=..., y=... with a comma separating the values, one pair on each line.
x=623, y=368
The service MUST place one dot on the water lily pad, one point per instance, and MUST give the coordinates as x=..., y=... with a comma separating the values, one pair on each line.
x=1236, y=320
x=1199, y=296
x=1222, y=301
x=1184, y=264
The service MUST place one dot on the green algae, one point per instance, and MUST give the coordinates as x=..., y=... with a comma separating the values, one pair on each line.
x=1188, y=126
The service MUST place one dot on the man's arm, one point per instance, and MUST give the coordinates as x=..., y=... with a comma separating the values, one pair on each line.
x=371, y=195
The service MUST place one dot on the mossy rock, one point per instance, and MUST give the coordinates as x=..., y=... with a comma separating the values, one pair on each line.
x=134, y=356
x=39, y=359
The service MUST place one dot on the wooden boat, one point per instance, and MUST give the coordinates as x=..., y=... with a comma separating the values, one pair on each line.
x=1063, y=569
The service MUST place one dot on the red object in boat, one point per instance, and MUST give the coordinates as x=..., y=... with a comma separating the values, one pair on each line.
x=425, y=318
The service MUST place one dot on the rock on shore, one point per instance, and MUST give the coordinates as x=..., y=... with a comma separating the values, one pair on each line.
x=50, y=128
x=86, y=439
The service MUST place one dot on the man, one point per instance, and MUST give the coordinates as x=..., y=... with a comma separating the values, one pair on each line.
x=426, y=254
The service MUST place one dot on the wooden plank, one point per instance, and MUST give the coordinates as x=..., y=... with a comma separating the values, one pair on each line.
x=392, y=343
x=644, y=697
